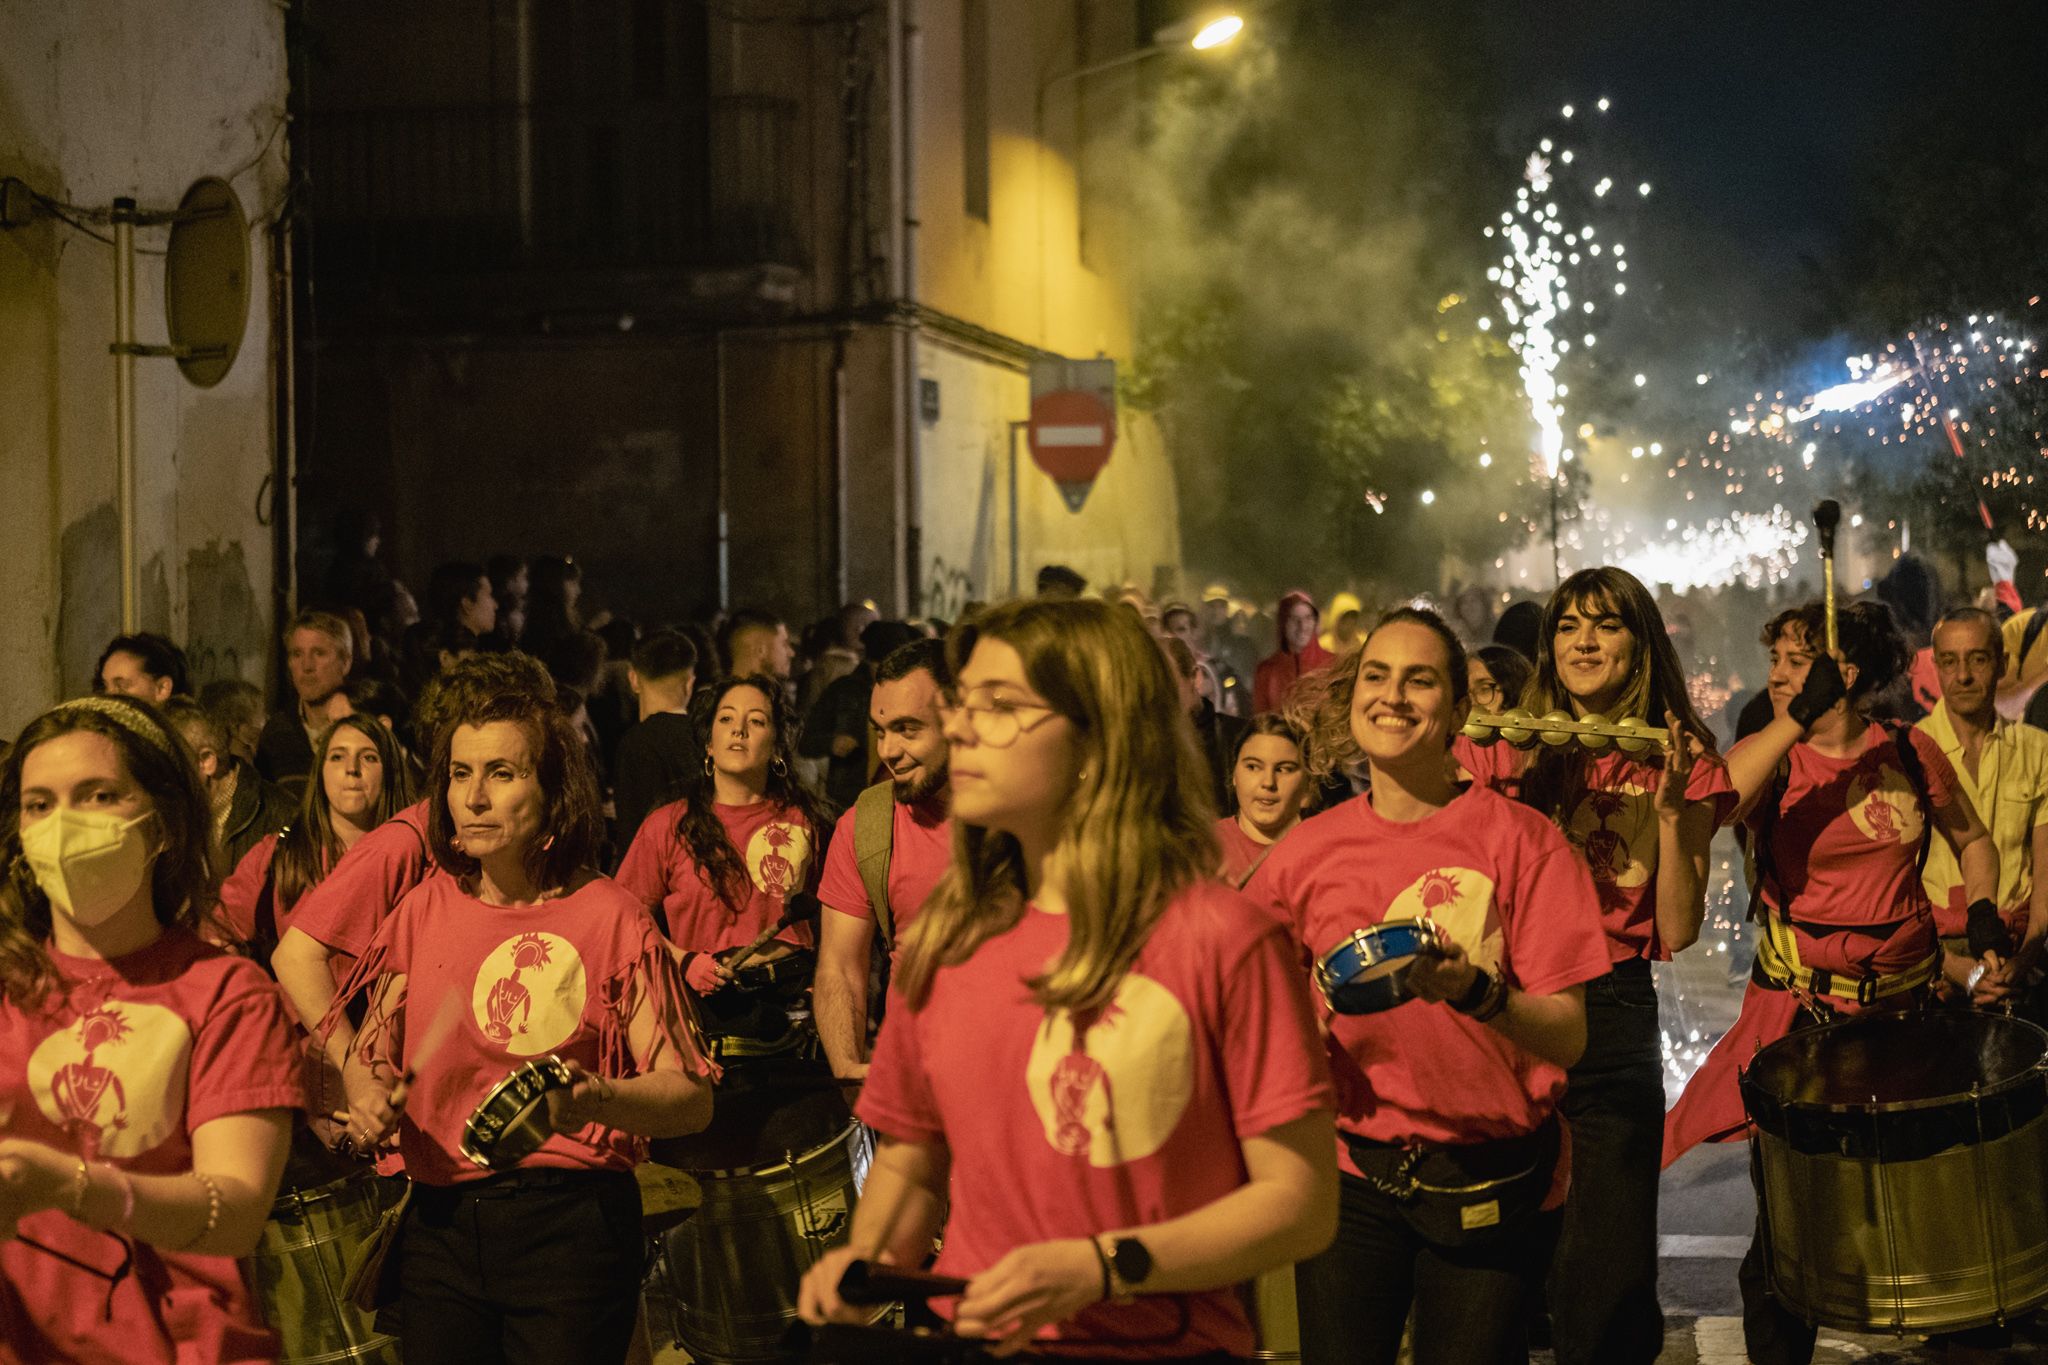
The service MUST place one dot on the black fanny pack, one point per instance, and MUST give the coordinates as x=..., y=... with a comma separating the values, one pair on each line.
x=1470, y=1194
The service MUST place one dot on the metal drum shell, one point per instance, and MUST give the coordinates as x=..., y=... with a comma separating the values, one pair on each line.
x=1920, y=1207
x=725, y=1284
x=301, y=1260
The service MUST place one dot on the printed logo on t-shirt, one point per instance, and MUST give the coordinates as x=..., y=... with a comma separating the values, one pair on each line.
x=1113, y=1091
x=1883, y=806
x=114, y=1079
x=1459, y=901
x=1616, y=833
x=778, y=857
x=529, y=994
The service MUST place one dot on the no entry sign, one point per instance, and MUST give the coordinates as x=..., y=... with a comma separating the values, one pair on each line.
x=1073, y=423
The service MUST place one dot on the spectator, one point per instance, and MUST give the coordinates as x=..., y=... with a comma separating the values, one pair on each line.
x=238, y=706
x=1299, y=653
x=243, y=807
x=1499, y=677
x=1518, y=628
x=753, y=642
x=146, y=666
x=552, y=604
x=432, y=648
x=836, y=729
x=659, y=753
x=1219, y=734
x=318, y=651
x=459, y=594
x=1059, y=582
x=508, y=590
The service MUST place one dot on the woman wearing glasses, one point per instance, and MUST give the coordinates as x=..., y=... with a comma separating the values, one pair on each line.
x=1104, y=1055
x=147, y=1080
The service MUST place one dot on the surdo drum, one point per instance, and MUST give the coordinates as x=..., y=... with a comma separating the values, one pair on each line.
x=299, y=1267
x=1902, y=1167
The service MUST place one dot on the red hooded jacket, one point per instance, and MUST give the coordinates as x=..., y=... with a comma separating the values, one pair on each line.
x=1279, y=671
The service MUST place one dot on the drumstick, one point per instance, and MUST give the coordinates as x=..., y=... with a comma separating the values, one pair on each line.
x=801, y=906
x=1827, y=515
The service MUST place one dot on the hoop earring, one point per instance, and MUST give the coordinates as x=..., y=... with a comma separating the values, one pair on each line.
x=779, y=768
x=707, y=764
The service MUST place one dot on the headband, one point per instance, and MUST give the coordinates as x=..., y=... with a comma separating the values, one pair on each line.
x=127, y=715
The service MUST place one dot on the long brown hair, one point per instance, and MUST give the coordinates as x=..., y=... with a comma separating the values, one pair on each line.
x=1138, y=829
x=720, y=865
x=183, y=883
x=1556, y=777
x=309, y=849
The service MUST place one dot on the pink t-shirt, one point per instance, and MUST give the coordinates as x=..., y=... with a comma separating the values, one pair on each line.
x=135, y=1056
x=1131, y=1118
x=243, y=887
x=351, y=903
x=1503, y=882
x=780, y=853
x=1613, y=826
x=919, y=854
x=1845, y=851
x=489, y=988
x=1241, y=852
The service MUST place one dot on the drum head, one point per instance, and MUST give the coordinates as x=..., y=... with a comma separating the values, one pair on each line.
x=1899, y=1085
x=761, y=1117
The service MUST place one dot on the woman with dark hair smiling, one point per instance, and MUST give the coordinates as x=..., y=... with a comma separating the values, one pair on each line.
x=147, y=1080
x=515, y=950
x=1103, y=1058
x=717, y=867
x=1643, y=823
x=1447, y=1102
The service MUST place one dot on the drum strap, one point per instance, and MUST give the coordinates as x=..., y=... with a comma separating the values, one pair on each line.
x=1777, y=958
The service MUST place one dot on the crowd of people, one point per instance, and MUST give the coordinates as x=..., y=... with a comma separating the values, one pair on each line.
x=1063, y=891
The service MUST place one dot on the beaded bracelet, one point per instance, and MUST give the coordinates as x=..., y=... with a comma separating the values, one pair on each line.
x=212, y=1209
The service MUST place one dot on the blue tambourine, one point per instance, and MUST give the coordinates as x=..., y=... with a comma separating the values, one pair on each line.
x=1368, y=972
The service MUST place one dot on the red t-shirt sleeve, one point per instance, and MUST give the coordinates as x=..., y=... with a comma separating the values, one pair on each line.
x=897, y=1100
x=841, y=888
x=244, y=887
x=1558, y=941
x=352, y=902
x=1498, y=766
x=1709, y=782
x=1273, y=1063
x=644, y=873
x=245, y=1053
x=1941, y=774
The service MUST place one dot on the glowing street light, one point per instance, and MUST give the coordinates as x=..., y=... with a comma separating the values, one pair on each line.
x=1217, y=32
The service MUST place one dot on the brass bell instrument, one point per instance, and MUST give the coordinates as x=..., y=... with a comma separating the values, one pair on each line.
x=1524, y=730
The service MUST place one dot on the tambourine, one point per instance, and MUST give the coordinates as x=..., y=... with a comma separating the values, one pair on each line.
x=1368, y=972
x=1524, y=730
x=512, y=1122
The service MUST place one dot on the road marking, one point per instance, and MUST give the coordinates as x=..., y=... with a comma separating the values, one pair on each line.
x=1686, y=1246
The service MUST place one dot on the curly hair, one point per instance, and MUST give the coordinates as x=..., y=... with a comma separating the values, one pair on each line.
x=1320, y=704
x=1866, y=633
x=183, y=880
x=572, y=816
x=723, y=867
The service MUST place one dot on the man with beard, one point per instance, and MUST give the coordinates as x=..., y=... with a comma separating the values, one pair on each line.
x=888, y=851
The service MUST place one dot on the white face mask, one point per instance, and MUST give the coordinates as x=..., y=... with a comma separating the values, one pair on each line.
x=88, y=863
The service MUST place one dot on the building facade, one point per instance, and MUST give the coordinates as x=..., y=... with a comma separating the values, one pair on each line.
x=132, y=100
x=734, y=303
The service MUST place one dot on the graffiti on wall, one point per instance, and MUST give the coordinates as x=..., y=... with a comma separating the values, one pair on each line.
x=947, y=590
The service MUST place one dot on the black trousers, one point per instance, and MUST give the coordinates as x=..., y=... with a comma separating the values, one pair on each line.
x=1603, y=1283
x=536, y=1268
x=1470, y=1301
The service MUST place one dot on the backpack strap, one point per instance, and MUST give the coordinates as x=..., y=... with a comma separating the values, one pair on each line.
x=874, y=840
x=1245, y=878
x=2036, y=623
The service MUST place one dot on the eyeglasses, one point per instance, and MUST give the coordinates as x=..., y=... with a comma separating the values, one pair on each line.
x=1486, y=692
x=996, y=721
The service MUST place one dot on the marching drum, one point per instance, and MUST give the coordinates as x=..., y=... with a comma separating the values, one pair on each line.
x=299, y=1266
x=779, y=1169
x=1368, y=972
x=1902, y=1167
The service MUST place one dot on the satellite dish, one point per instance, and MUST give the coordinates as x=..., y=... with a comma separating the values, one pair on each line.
x=206, y=281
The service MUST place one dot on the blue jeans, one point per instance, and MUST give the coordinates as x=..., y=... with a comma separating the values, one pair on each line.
x=1603, y=1282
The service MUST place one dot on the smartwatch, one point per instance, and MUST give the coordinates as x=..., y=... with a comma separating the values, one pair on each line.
x=1132, y=1265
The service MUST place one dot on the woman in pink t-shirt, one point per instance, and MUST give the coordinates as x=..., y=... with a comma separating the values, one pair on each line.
x=1448, y=1102
x=516, y=950
x=1270, y=788
x=1836, y=807
x=1104, y=1058
x=147, y=1079
x=1643, y=823
x=717, y=868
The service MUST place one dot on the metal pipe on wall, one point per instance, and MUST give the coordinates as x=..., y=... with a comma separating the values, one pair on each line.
x=720, y=477
x=909, y=48
x=123, y=219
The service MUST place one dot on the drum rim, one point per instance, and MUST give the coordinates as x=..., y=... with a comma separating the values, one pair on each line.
x=787, y=1162
x=2033, y=1074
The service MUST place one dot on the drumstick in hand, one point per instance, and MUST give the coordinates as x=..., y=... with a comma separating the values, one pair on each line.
x=801, y=907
